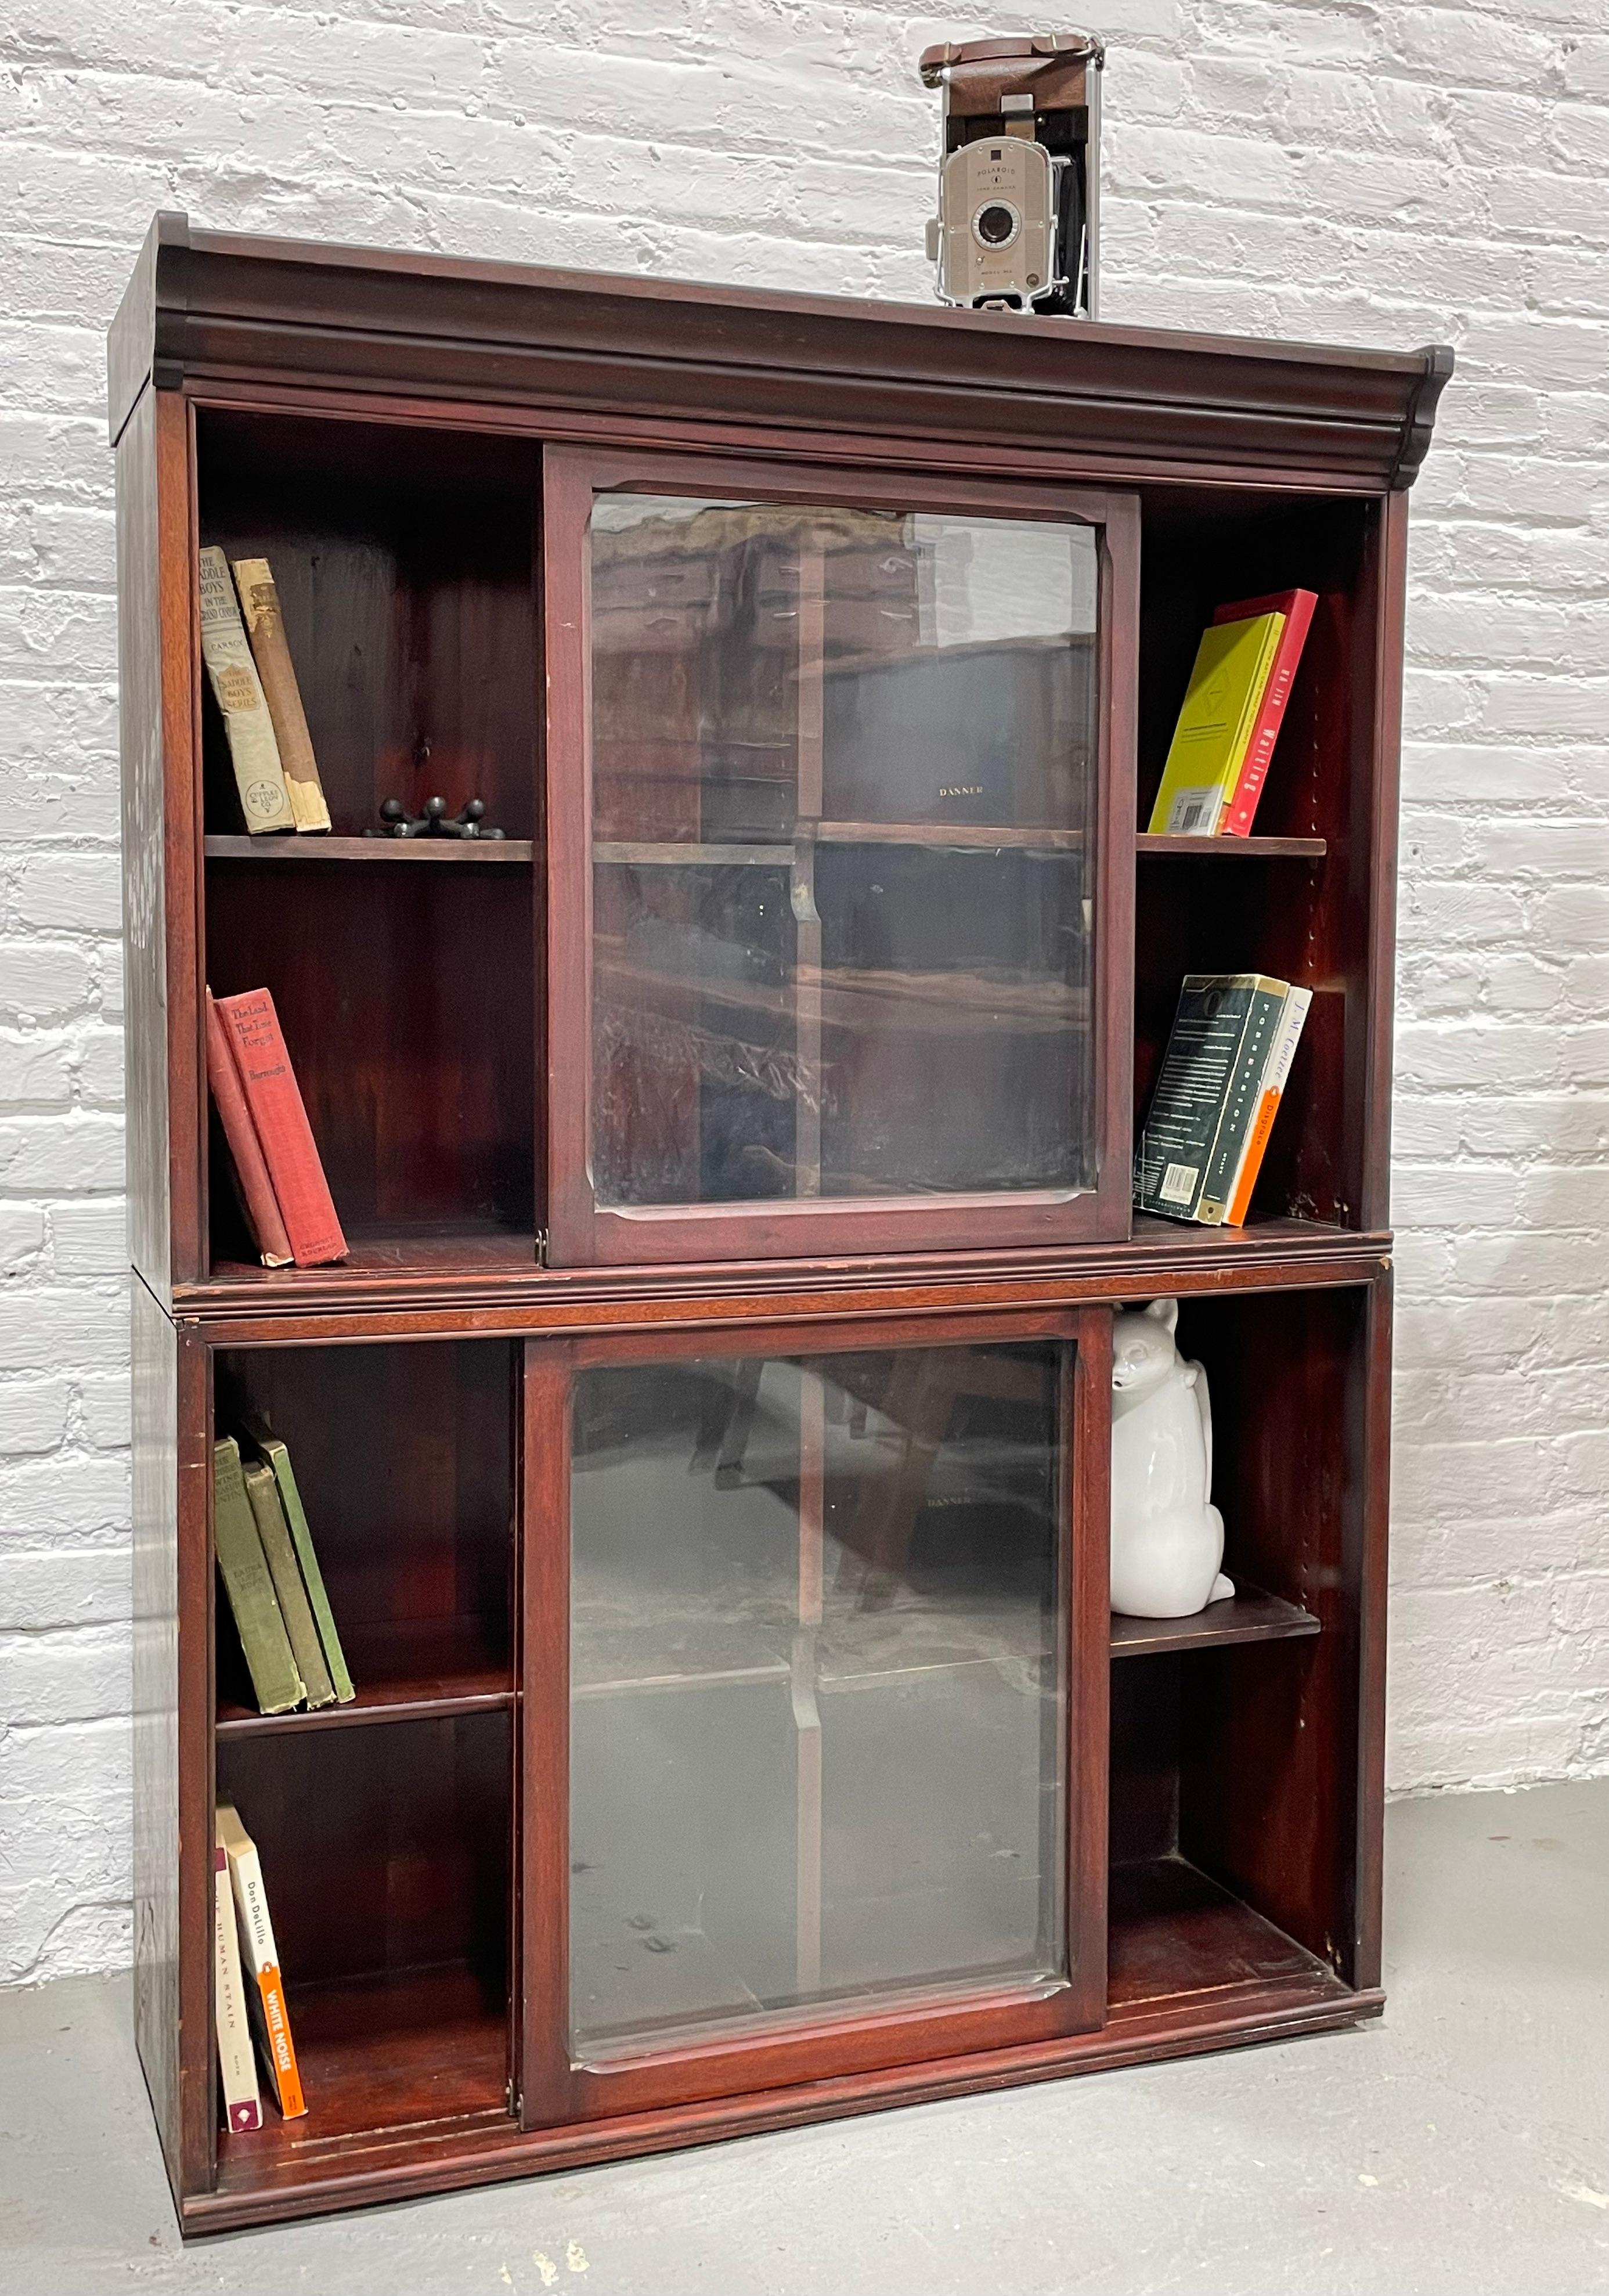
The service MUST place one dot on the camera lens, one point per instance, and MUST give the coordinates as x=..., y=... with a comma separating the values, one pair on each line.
x=995, y=225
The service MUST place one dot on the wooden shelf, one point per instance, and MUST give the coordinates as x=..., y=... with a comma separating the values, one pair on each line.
x=1249, y=1616
x=378, y=2057
x=295, y=849
x=1173, y=1933
x=425, y=1700
x=1244, y=849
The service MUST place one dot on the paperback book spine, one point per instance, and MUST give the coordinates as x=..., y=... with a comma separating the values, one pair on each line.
x=243, y=1569
x=278, y=1457
x=1176, y=1147
x=1286, y=1037
x=238, y=691
x=265, y=629
x=263, y=1492
x=236, y=2065
x=1297, y=607
x=1241, y=1102
x=289, y=1149
x=266, y=1993
x=257, y=1189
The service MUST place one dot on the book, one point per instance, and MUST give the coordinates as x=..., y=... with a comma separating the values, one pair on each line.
x=238, y=691
x=236, y=2064
x=263, y=1492
x=1215, y=722
x=1297, y=607
x=1287, y=1035
x=1205, y=1099
x=265, y=1990
x=289, y=1149
x=276, y=673
x=243, y=1569
x=275, y=1455
x=258, y=1199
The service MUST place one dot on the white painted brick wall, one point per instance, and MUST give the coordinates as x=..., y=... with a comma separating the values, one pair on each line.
x=1357, y=173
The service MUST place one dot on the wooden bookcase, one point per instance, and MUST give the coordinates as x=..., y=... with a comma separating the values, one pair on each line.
x=707, y=1438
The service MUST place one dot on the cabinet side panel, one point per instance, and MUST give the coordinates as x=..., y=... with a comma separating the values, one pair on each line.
x=157, y=710
x=156, y=1738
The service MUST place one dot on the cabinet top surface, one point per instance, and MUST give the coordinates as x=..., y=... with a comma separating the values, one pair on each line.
x=222, y=310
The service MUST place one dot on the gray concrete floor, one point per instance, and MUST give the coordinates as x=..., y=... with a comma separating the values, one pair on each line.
x=1462, y=2145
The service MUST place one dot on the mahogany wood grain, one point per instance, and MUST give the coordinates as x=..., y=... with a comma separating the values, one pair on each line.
x=1219, y=848
x=161, y=1968
x=217, y=306
x=1247, y=1616
x=1269, y=1750
x=369, y=2170
x=421, y=1296
x=518, y=850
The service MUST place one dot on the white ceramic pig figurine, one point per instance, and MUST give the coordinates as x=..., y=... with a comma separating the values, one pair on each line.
x=1167, y=1536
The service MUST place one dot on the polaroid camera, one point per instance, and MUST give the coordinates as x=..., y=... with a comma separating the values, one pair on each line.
x=1020, y=175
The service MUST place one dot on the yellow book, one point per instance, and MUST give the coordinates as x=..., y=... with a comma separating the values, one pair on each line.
x=1215, y=724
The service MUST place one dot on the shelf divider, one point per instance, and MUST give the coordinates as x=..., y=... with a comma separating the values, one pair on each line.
x=1244, y=849
x=437, y=849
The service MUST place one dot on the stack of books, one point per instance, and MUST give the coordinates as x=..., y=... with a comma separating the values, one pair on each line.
x=280, y=1178
x=1234, y=708
x=248, y=1993
x=1228, y=1058
x=275, y=1587
x=253, y=682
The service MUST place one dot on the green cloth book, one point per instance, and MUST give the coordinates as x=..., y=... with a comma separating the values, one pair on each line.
x=274, y=1454
x=1206, y=1097
x=275, y=1531
x=244, y=1570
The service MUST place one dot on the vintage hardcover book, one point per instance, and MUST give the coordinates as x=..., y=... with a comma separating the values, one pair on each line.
x=270, y=650
x=1215, y=722
x=1287, y=1035
x=275, y=1455
x=1205, y=1097
x=289, y=1149
x=236, y=2063
x=266, y=1993
x=238, y=691
x=243, y=1569
x=275, y=1531
x=1297, y=607
x=257, y=1200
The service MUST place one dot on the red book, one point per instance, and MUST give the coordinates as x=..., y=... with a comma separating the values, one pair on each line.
x=1297, y=607
x=257, y=1189
x=287, y=1138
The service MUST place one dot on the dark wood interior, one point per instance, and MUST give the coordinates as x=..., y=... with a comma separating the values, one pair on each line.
x=412, y=444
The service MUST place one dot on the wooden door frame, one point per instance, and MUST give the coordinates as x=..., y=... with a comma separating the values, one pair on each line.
x=581, y=1232
x=859, y=2041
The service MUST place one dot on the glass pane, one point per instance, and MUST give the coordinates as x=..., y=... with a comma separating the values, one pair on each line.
x=818, y=1709
x=843, y=774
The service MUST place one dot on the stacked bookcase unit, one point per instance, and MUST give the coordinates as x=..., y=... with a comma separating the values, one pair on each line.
x=707, y=1438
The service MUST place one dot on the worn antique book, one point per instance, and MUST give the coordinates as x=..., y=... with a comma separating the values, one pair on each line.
x=1214, y=730
x=236, y=2063
x=288, y=1147
x=265, y=1990
x=275, y=1455
x=275, y=1531
x=1205, y=1100
x=1287, y=1035
x=238, y=691
x=258, y=1199
x=253, y=1603
x=1297, y=607
x=271, y=652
